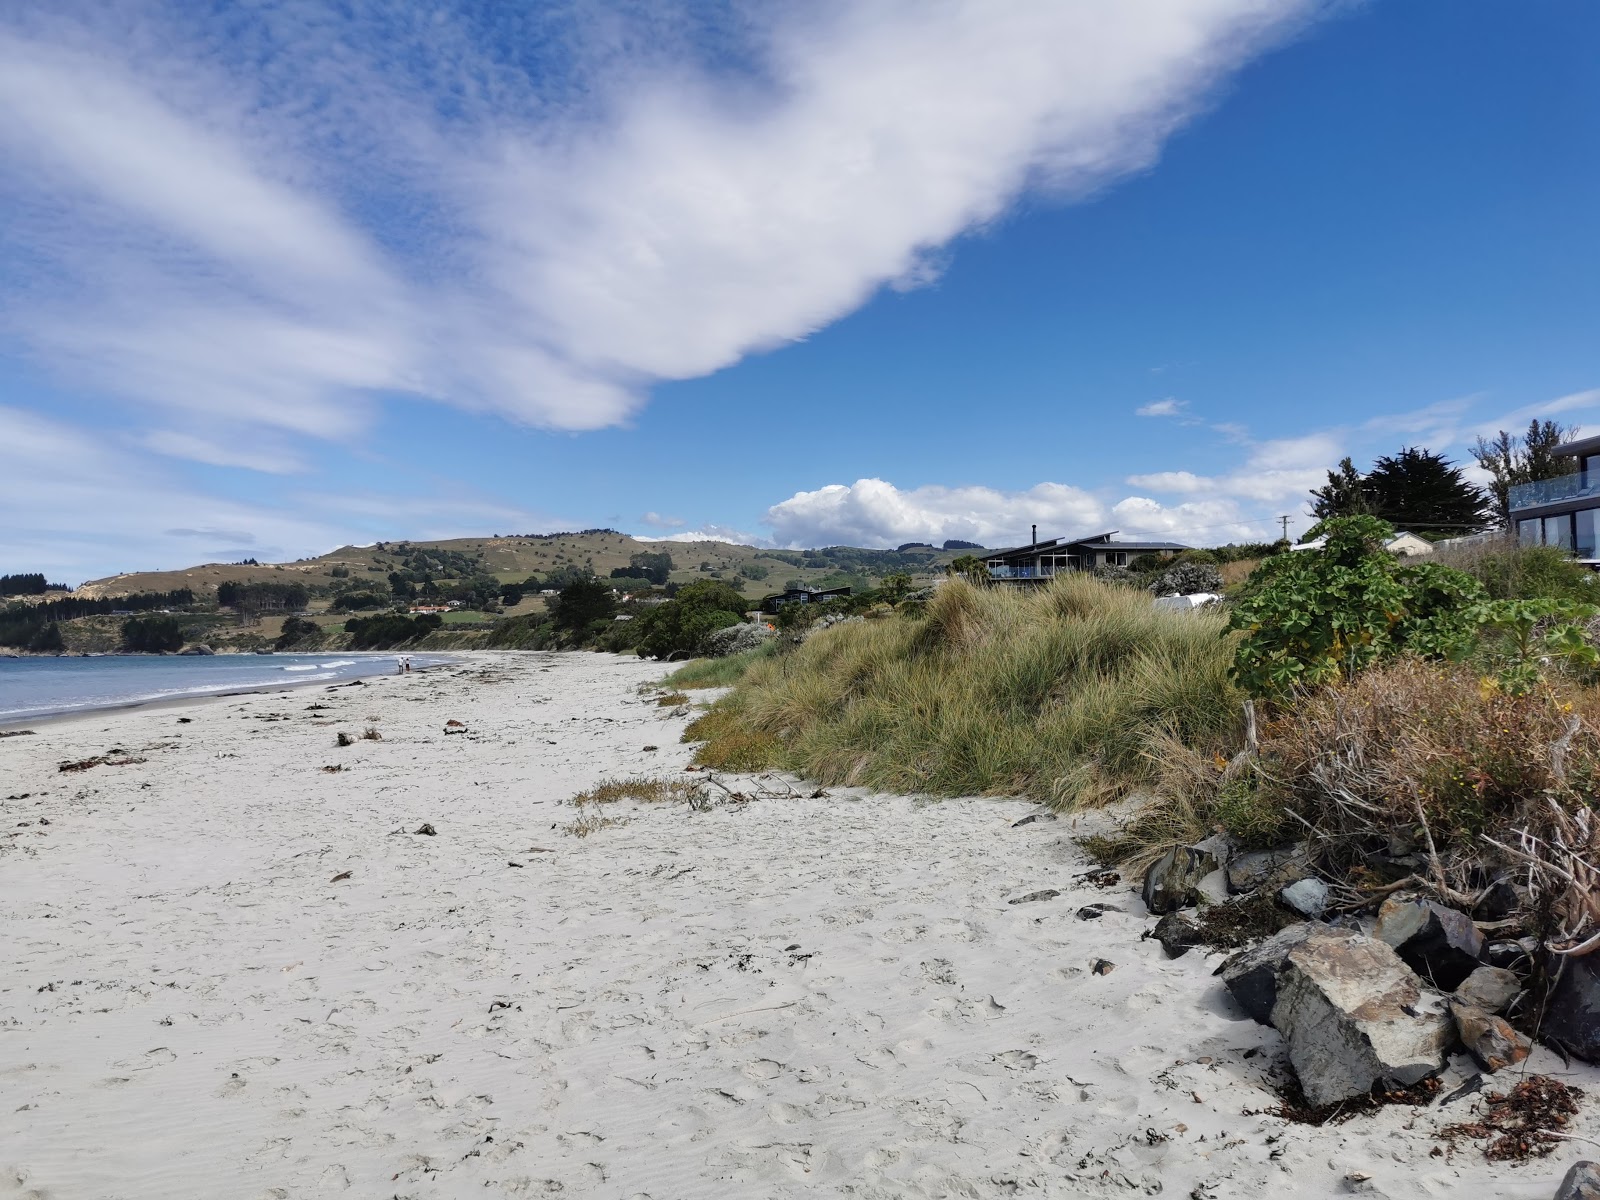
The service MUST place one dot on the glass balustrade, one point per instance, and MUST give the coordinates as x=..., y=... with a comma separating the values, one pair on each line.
x=1552, y=491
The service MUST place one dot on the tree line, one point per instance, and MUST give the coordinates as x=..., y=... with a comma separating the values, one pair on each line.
x=31, y=583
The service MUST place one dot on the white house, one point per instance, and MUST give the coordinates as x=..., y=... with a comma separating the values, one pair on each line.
x=1406, y=545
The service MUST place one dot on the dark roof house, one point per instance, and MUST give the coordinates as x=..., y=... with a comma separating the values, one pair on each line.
x=1039, y=562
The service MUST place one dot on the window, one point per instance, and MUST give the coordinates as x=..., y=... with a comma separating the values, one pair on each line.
x=1588, y=523
x=1528, y=532
x=1117, y=558
x=1558, y=531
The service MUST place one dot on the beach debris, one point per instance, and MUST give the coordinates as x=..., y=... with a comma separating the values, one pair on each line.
x=1102, y=966
x=372, y=734
x=5, y=733
x=1033, y=817
x=427, y=830
x=1093, y=912
x=185, y=720
x=454, y=727
x=341, y=875
x=334, y=769
x=319, y=707
x=343, y=739
x=1581, y=1182
x=1572, y=1008
x=1251, y=975
x=1522, y=1123
x=1489, y=1039
x=1308, y=897
x=648, y=749
x=1516, y=957
x=515, y=864
x=1438, y=943
x=1169, y=884
x=1501, y=899
x=1177, y=935
x=112, y=758
x=1356, y=1017
x=1489, y=988
x=1101, y=877
x=1032, y=897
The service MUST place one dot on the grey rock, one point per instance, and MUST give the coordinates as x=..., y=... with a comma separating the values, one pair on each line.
x=1500, y=900
x=1489, y=988
x=1354, y=1015
x=1572, y=1012
x=1267, y=868
x=1438, y=943
x=1510, y=956
x=1032, y=897
x=1177, y=934
x=1169, y=883
x=200, y=649
x=1251, y=975
x=1211, y=889
x=1488, y=1038
x=1582, y=1182
x=1308, y=897
x=1033, y=818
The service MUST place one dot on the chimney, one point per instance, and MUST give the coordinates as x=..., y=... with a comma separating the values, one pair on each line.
x=1035, y=541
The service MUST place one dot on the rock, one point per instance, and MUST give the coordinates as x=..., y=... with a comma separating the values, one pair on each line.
x=1267, y=868
x=1488, y=1038
x=1572, y=1012
x=427, y=830
x=1169, y=883
x=1582, y=1182
x=1489, y=988
x=1438, y=943
x=1031, y=897
x=1033, y=817
x=197, y=650
x=1251, y=975
x=1308, y=897
x=1177, y=935
x=1102, y=966
x=1501, y=899
x=1212, y=889
x=1093, y=912
x=1355, y=1016
x=1510, y=956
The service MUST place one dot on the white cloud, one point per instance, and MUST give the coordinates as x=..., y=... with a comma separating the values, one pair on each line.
x=1172, y=481
x=1516, y=421
x=268, y=235
x=1170, y=407
x=709, y=533
x=221, y=453
x=656, y=521
x=871, y=512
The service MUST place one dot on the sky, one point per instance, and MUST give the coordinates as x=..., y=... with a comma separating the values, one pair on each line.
x=285, y=276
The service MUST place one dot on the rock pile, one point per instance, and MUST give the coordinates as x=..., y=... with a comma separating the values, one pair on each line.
x=1368, y=1004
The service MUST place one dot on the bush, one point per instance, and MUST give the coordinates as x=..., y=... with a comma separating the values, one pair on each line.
x=389, y=630
x=681, y=626
x=1512, y=572
x=1058, y=693
x=1315, y=616
x=296, y=629
x=152, y=635
x=1187, y=579
x=581, y=603
x=357, y=601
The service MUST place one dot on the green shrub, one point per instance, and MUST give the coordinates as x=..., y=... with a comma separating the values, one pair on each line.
x=1314, y=616
x=581, y=603
x=680, y=626
x=152, y=635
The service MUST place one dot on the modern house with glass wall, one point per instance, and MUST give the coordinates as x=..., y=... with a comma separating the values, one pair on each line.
x=1564, y=511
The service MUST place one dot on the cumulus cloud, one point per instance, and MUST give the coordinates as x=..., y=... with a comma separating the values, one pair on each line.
x=656, y=521
x=872, y=512
x=1169, y=407
x=273, y=223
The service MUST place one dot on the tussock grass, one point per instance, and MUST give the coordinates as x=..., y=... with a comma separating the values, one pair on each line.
x=672, y=699
x=1067, y=694
x=640, y=788
x=718, y=672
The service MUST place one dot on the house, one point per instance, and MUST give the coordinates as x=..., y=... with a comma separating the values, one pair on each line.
x=802, y=595
x=1404, y=544
x=1563, y=512
x=1039, y=562
x=430, y=608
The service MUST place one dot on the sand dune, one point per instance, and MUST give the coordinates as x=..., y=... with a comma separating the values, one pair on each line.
x=790, y=996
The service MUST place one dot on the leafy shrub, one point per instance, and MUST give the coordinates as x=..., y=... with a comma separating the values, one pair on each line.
x=389, y=629
x=681, y=626
x=1109, y=573
x=1315, y=616
x=581, y=603
x=296, y=629
x=1512, y=572
x=1187, y=579
x=356, y=601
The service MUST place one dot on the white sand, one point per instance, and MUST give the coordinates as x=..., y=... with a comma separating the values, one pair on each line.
x=794, y=996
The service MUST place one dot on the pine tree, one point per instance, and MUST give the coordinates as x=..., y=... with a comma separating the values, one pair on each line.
x=1344, y=495
x=1426, y=493
x=1512, y=460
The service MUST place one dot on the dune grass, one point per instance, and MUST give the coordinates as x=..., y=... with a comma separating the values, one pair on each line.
x=1063, y=693
x=718, y=672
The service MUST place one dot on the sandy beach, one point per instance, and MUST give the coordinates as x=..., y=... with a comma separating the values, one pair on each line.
x=230, y=973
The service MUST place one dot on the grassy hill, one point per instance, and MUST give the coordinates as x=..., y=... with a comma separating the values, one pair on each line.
x=755, y=572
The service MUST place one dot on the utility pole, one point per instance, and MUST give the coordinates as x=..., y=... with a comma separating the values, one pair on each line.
x=1285, y=520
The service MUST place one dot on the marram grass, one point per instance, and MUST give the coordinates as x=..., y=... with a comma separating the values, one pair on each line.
x=1064, y=693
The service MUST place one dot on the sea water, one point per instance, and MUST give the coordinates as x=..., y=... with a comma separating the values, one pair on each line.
x=38, y=687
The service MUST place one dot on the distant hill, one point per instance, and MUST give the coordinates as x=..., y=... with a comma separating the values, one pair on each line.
x=512, y=559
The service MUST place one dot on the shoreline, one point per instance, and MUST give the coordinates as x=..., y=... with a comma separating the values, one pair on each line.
x=10, y=725
x=250, y=962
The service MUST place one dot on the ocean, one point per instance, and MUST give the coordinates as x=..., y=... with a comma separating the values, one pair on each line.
x=39, y=687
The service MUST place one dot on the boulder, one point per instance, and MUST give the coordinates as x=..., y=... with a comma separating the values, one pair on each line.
x=1177, y=934
x=1170, y=882
x=1572, y=1011
x=1488, y=1038
x=1355, y=1016
x=1308, y=897
x=1489, y=988
x=1212, y=889
x=1582, y=1182
x=1501, y=899
x=1438, y=943
x=1267, y=868
x=201, y=649
x=1251, y=975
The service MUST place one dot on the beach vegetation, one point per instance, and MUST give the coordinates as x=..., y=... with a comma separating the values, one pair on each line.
x=297, y=631
x=719, y=672
x=581, y=603
x=680, y=626
x=1511, y=459
x=1416, y=489
x=361, y=601
x=152, y=635
x=388, y=630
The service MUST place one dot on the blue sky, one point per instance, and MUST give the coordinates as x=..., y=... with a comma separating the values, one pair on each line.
x=282, y=277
